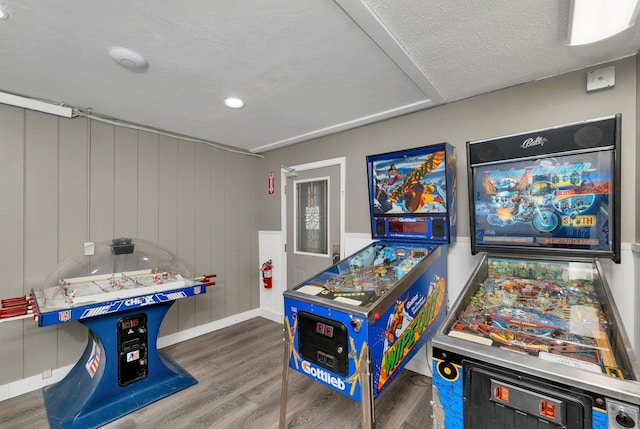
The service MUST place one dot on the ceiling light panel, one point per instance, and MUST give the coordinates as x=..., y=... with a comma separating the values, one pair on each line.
x=596, y=20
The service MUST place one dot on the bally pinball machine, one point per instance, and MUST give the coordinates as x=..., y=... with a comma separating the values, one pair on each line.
x=535, y=340
x=354, y=326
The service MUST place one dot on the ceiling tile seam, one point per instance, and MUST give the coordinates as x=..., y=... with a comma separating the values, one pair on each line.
x=354, y=123
x=377, y=31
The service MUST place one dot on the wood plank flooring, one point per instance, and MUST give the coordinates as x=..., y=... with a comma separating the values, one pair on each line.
x=239, y=370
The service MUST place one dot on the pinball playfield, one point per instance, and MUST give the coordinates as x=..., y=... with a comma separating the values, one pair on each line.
x=550, y=310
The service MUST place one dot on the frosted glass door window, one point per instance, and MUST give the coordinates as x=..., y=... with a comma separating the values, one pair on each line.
x=312, y=216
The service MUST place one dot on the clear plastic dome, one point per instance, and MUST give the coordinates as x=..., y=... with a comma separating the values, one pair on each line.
x=119, y=268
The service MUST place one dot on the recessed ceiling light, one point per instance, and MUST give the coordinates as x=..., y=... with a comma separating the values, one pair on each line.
x=233, y=102
x=3, y=12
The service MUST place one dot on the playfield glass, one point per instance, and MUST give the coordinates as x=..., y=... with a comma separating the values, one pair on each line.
x=365, y=277
x=552, y=310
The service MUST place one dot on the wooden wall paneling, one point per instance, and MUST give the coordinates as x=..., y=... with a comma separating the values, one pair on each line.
x=186, y=223
x=168, y=213
x=217, y=294
x=247, y=269
x=148, y=181
x=125, y=214
x=202, y=247
x=72, y=187
x=73, y=215
x=254, y=210
x=41, y=229
x=232, y=196
x=12, y=223
x=102, y=186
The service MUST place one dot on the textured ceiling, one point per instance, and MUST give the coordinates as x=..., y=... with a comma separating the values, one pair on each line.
x=305, y=68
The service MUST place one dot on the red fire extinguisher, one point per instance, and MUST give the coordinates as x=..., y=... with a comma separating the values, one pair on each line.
x=267, y=274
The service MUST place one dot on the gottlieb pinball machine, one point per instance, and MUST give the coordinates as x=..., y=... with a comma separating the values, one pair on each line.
x=354, y=326
x=534, y=339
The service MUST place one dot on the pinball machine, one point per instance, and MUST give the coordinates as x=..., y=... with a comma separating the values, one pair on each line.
x=535, y=340
x=354, y=326
x=121, y=292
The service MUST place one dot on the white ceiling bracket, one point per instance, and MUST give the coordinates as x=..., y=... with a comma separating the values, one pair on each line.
x=38, y=105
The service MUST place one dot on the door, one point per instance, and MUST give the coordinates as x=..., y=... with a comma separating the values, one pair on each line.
x=313, y=207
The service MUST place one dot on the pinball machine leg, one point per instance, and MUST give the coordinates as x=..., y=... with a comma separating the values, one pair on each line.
x=285, y=380
x=366, y=386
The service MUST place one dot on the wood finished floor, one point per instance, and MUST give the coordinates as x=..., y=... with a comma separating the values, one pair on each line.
x=239, y=370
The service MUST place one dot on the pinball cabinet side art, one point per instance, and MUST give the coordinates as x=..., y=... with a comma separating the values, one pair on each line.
x=535, y=339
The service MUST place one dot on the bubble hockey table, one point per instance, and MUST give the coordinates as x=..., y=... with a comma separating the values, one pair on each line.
x=121, y=369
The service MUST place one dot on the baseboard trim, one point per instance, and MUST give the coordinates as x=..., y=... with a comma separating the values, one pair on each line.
x=187, y=334
x=271, y=315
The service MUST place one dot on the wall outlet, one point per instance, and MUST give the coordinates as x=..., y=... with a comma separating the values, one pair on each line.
x=89, y=248
x=47, y=373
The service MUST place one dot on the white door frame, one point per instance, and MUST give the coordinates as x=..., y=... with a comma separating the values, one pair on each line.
x=341, y=162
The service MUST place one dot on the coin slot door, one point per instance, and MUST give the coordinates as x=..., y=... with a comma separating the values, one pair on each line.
x=132, y=349
x=496, y=399
x=324, y=342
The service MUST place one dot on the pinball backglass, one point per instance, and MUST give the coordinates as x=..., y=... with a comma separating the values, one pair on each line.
x=548, y=192
x=410, y=194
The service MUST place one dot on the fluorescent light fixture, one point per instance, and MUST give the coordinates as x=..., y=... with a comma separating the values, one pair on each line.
x=40, y=106
x=233, y=102
x=595, y=20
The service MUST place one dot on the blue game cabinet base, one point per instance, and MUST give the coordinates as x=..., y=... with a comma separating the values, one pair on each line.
x=119, y=372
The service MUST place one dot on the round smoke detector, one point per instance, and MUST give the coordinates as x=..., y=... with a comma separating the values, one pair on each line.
x=128, y=58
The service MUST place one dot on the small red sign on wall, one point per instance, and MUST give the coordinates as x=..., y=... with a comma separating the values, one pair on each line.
x=271, y=183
